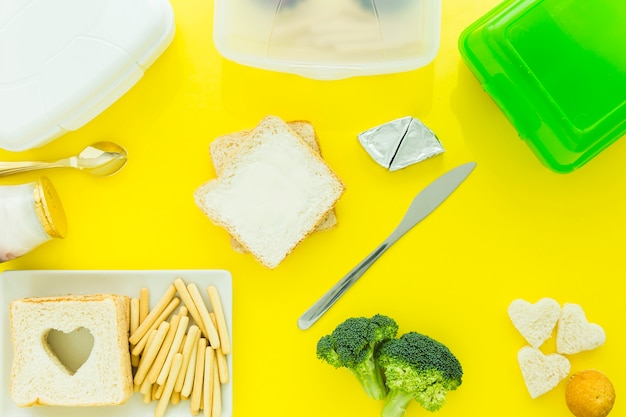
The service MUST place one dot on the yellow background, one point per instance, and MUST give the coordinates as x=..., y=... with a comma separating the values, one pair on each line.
x=514, y=229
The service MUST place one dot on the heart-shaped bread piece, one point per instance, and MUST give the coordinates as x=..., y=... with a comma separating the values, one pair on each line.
x=541, y=372
x=574, y=333
x=535, y=322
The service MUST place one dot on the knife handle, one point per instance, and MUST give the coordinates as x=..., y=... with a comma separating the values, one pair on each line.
x=323, y=304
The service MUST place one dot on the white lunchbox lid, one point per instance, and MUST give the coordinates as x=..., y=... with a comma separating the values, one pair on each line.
x=62, y=62
x=329, y=39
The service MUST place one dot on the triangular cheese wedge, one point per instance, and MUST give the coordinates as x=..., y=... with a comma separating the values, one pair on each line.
x=400, y=143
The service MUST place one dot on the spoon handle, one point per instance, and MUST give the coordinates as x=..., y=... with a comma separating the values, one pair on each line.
x=10, y=168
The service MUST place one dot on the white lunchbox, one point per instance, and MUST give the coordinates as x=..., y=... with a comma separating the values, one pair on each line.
x=62, y=62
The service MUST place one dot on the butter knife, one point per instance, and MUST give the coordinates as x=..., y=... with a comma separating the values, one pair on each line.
x=423, y=204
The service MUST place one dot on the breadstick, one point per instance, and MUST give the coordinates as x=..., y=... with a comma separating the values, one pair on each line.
x=193, y=310
x=138, y=349
x=148, y=339
x=158, y=391
x=134, y=323
x=193, y=335
x=151, y=353
x=153, y=315
x=222, y=366
x=155, y=370
x=220, y=318
x=212, y=335
x=178, y=338
x=216, y=410
x=209, y=381
x=169, y=386
x=134, y=314
x=183, y=311
x=146, y=390
x=222, y=362
x=185, y=392
x=144, y=304
x=196, y=392
x=147, y=398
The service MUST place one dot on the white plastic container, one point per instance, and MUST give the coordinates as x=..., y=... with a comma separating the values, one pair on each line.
x=329, y=39
x=65, y=61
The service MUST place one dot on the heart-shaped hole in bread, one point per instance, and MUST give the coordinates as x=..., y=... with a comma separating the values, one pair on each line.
x=69, y=350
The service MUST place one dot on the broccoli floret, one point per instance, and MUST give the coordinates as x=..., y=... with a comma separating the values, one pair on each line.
x=353, y=344
x=417, y=367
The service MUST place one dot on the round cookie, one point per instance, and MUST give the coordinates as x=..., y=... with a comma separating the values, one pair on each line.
x=589, y=393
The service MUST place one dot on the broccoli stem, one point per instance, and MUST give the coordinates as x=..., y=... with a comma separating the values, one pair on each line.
x=372, y=382
x=396, y=403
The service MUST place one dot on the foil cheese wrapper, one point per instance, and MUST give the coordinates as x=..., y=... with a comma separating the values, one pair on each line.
x=400, y=143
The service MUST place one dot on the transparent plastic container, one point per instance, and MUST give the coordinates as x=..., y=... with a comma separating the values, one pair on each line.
x=329, y=39
x=557, y=69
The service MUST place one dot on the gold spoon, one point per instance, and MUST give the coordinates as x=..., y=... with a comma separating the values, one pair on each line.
x=101, y=159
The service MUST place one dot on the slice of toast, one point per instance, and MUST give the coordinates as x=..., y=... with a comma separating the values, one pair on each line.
x=38, y=376
x=272, y=193
x=224, y=147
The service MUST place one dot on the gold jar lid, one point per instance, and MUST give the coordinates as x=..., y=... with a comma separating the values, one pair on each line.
x=49, y=208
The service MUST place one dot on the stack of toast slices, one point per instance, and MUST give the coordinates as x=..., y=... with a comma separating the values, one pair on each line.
x=273, y=188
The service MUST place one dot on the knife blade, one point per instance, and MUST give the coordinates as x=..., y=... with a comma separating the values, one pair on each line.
x=424, y=203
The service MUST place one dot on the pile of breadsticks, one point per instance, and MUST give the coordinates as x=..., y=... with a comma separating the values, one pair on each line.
x=180, y=355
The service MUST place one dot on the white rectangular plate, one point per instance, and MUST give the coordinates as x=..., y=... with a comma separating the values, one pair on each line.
x=36, y=283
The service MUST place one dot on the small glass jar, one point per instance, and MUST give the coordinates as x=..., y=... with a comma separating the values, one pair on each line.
x=30, y=214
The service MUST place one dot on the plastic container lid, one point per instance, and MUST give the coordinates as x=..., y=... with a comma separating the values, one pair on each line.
x=329, y=39
x=65, y=61
x=557, y=69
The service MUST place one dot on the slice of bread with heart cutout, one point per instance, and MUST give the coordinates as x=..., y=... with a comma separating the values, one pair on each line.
x=38, y=375
x=574, y=333
x=535, y=322
x=541, y=372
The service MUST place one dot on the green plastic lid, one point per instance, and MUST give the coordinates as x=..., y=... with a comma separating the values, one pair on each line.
x=557, y=69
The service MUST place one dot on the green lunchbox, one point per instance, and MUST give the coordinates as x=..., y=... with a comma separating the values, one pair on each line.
x=557, y=69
